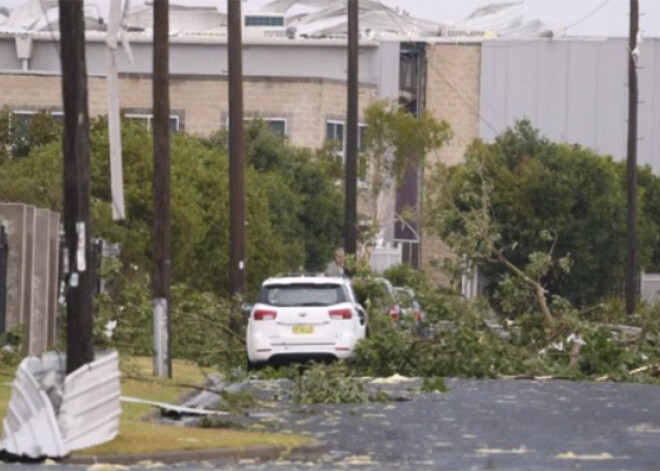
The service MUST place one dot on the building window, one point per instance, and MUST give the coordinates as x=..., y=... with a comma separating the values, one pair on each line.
x=24, y=118
x=255, y=20
x=277, y=126
x=28, y=128
x=362, y=141
x=147, y=120
x=334, y=132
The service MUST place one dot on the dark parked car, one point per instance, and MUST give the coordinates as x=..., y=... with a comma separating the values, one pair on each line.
x=379, y=292
x=411, y=309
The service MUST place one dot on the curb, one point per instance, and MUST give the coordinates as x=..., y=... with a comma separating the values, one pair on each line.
x=218, y=454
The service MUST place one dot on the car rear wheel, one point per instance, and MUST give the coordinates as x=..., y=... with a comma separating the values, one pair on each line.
x=254, y=366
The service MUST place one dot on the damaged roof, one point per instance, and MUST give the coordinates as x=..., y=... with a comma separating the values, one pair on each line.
x=315, y=19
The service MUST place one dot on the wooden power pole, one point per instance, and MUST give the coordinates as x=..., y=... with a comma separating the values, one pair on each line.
x=161, y=192
x=633, y=99
x=350, y=212
x=237, y=249
x=79, y=348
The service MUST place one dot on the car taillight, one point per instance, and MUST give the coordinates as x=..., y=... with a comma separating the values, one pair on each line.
x=264, y=315
x=341, y=314
x=394, y=313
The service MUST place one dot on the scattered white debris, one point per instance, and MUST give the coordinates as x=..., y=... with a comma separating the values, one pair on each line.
x=109, y=329
x=645, y=428
x=359, y=460
x=395, y=379
x=148, y=464
x=172, y=407
x=575, y=339
x=572, y=456
x=107, y=467
x=497, y=451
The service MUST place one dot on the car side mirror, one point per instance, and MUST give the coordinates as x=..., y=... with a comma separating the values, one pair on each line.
x=246, y=309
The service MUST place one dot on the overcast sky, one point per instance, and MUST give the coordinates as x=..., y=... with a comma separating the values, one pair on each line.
x=589, y=17
x=585, y=17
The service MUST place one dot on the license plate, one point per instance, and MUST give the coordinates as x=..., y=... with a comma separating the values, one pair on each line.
x=303, y=329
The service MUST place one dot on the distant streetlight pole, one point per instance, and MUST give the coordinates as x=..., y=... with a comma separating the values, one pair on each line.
x=237, y=218
x=350, y=221
x=633, y=97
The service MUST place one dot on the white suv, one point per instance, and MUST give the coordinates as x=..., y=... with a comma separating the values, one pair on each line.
x=303, y=316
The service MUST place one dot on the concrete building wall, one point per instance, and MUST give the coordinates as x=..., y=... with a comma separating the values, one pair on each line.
x=202, y=102
x=453, y=93
x=13, y=217
x=33, y=272
x=207, y=56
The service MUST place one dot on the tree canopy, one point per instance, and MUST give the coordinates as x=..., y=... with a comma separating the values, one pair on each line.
x=293, y=206
x=544, y=197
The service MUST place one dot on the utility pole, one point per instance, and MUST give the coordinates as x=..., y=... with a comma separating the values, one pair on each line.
x=161, y=191
x=79, y=345
x=633, y=98
x=350, y=213
x=237, y=250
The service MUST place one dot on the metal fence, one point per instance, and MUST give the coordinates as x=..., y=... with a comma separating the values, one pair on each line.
x=4, y=252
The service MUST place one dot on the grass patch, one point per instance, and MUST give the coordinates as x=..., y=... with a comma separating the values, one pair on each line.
x=136, y=435
x=139, y=436
x=6, y=377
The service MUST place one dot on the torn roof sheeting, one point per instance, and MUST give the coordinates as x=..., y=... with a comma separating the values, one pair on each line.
x=303, y=19
x=328, y=18
x=183, y=19
x=505, y=20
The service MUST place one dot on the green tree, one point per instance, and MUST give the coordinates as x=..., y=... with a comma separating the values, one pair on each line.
x=199, y=186
x=306, y=206
x=396, y=141
x=537, y=205
x=20, y=134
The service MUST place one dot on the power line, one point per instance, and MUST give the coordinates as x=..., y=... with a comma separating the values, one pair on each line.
x=470, y=105
x=588, y=15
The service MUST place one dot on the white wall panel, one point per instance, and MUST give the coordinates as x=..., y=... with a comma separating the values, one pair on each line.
x=573, y=90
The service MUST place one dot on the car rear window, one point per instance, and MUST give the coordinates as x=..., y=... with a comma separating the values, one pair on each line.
x=302, y=295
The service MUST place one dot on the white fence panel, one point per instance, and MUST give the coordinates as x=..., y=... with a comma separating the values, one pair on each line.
x=383, y=258
x=650, y=287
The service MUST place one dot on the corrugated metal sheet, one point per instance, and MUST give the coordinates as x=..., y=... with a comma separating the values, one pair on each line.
x=50, y=416
x=30, y=427
x=574, y=91
x=90, y=408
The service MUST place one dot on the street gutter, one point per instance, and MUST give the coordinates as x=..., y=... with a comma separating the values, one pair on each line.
x=220, y=454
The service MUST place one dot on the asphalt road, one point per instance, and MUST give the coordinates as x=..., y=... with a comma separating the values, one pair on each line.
x=508, y=425
x=477, y=425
